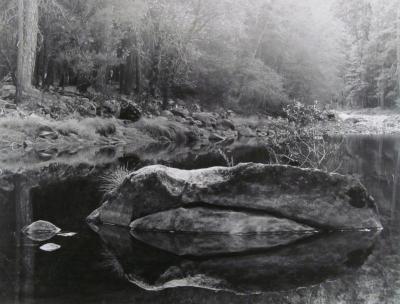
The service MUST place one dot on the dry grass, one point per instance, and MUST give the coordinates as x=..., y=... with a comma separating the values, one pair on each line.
x=18, y=128
x=113, y=180
x=162, y=129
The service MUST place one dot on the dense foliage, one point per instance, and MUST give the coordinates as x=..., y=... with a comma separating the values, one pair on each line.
x=251, y=55
x=372, y=39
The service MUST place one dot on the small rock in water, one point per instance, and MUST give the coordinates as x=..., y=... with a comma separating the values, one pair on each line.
x=50, y=247
x=41, y=231
x=67, y=234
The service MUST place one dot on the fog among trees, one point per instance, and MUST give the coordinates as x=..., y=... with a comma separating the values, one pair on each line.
x=248, y=55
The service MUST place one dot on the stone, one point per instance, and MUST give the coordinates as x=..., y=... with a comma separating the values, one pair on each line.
x=41, y=231
x=331, y=116
x=246, y=132
x=130, y=111
x=227, y=124
x=215, y=137
x=86, y=107
x=10, y=106
x=50, y=247
x=208, y=220
x=67, y=234
x=6, y=185
x=180, y=112
x=167, y=113
x=7, y=91
x=110, y=108
x=47, y=154
x=207, y=119
x=48, y=135
x=353, y=120
x=310, y=197
x=44, y=128
x=198, y=123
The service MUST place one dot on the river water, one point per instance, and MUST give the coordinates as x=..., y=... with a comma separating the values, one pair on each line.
x=110, y=266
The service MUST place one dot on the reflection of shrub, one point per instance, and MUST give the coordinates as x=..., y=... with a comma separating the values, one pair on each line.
x=229, y=161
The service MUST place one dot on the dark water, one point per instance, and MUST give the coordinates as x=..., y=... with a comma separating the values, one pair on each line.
x=110, y=266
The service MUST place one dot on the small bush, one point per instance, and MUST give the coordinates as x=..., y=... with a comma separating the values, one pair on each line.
x=303, y=115
x=113, y=180
x=300, y=143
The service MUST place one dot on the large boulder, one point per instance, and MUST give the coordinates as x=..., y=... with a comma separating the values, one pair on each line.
x=130, y=111
x=180, y=112
x=7, y=91
x=206, y=118
x=308, y=197
x=110, y=108
x=7, y=105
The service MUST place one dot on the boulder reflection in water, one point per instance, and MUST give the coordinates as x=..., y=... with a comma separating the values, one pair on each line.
x=305, y=262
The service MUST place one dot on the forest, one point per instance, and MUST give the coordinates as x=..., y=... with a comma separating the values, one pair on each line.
x=250, y=56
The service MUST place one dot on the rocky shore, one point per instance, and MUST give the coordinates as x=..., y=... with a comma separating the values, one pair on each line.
x=55, y=123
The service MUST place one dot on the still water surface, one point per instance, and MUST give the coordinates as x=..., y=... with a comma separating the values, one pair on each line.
x=110, y=266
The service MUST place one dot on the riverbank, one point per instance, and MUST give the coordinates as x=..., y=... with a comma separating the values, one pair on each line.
x=53, y=125
x=374, y=121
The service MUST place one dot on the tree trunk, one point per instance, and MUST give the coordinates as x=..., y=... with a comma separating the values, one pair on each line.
x=49, y=73
x=138, y=74
x=129, y=74
x=28, y=13
x=398, y=51
x=155, y=69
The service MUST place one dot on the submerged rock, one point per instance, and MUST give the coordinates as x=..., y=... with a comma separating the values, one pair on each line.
x=41, y=231
x=50, y=247
x=67, y=234
x=309, y=197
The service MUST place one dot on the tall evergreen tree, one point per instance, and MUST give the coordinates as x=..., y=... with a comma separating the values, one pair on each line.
x=28, y=14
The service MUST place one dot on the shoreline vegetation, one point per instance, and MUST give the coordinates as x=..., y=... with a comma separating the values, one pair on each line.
x=64, y=125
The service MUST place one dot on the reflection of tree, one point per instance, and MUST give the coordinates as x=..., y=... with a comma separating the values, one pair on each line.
x=20, y=195
x=375, y=160
x=25, y=255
